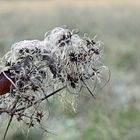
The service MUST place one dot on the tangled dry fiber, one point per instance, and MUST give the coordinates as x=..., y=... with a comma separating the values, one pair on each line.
x=62, y=64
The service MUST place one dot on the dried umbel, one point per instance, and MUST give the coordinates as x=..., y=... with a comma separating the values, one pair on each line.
x=64, y=63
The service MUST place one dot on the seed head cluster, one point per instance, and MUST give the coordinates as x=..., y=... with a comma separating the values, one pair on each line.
x=62, y=63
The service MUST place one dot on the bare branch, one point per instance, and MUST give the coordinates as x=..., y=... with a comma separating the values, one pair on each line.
x=40, y=100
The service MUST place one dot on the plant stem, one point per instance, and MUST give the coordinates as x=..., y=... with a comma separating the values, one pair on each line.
x=40, y=100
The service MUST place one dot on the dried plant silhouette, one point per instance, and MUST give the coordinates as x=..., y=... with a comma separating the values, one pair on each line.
x=33, y=71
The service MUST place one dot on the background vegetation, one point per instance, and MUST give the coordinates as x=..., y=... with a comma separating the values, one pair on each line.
x=115, y=114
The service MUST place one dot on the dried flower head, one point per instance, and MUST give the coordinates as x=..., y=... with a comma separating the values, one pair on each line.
x=37, y=70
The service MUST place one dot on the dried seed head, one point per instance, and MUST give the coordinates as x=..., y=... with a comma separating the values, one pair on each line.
x=38, y=67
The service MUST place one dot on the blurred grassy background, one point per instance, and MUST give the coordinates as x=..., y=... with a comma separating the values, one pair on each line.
x=115, y=114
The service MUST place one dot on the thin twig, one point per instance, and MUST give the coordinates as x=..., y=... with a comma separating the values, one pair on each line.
x=40, y=100
x=12, y=114
x=89, y=89
x=7, y=128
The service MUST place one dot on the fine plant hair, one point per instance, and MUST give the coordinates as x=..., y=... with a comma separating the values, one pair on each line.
x=63, y=63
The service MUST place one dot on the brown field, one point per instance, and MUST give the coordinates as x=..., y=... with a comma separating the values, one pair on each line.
x=46, y=5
